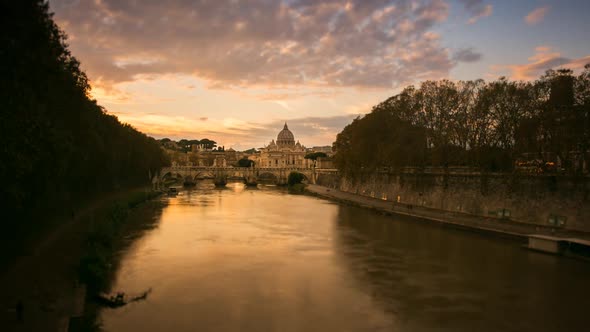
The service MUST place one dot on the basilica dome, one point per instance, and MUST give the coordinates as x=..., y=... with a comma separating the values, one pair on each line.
x=285, y=137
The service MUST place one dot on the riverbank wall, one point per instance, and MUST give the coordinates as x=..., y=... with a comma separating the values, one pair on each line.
x=541, y=202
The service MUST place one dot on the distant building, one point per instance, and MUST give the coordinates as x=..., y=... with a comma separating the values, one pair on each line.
x=324, y=162
x=327, y=149
x=178, y=158
x=216, y=158
x=284, y=153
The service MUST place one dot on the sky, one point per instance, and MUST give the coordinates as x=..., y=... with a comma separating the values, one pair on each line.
x=235, y=70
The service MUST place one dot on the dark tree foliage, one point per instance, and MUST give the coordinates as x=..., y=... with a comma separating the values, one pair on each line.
x=295, y=178
x=186, y=145
x=209, y=144
x=492, y=126
x=245, y=162
x=58, y=145
x=315, y=155
x=379, y=139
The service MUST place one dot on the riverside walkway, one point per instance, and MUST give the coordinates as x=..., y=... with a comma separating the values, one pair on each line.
x=498, y=226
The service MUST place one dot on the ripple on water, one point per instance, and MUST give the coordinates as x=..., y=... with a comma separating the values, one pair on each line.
x=262, y=260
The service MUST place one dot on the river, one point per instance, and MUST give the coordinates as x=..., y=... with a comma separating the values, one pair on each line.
x=240, y=259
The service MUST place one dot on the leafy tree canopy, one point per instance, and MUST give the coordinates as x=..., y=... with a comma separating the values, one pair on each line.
x=295, y=178
x=250, y=151
x=481, y=124
x=245, y=162
x=59, y=146
x=186, y=145
x=315, y=155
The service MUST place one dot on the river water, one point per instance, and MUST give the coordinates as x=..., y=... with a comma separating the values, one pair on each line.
x=239, y=259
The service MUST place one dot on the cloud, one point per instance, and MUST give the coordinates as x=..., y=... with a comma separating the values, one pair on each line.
x=283, y=94
x=537, y=15
x=543, y=48
x=283, y=104
x=545, y=58
x=477, y=9
x=331, y=43
x=467, y=55
x=310, y=131
x=313, y=130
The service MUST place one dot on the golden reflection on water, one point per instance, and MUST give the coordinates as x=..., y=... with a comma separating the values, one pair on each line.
x=259, y=259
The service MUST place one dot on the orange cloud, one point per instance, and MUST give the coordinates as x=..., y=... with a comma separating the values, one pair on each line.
x=537, y=15
x=487, y=11
x=543, y=48
x=265, y=43
x=476, y=9
x=545, y=58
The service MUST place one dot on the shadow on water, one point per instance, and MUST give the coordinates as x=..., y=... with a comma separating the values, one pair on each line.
x=140, y=222
x=430, y=278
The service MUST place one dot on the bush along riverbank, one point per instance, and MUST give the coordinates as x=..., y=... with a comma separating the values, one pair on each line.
x=295, y=183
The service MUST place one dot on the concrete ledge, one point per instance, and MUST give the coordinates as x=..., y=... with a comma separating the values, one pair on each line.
x=498, y=227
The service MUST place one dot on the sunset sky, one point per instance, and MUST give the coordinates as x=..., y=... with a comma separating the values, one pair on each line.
x=234, y=71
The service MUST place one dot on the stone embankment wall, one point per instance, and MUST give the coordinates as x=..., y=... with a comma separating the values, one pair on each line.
x=544, y=200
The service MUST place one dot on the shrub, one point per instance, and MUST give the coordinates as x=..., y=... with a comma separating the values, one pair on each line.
x=295, y=178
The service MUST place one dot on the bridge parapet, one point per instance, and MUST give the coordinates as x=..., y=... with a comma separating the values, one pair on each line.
x=326, y=170
x=178, y=168
x=249, y=174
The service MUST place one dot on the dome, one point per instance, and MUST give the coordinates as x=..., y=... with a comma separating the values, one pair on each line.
x=285, y=137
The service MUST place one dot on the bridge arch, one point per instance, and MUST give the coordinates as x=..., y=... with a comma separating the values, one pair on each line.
x=204, y=175
x=305, y=175
x=268, y=176
x=172, y=175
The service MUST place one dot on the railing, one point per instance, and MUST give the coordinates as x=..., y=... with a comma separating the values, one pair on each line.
x=231, y=168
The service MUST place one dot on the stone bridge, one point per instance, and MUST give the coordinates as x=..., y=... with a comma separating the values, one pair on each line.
x=220, y=175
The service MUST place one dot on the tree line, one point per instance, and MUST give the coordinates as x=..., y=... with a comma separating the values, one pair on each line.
x=315, y=155
x=498, y=126
x=185, y=145
x=58, y=145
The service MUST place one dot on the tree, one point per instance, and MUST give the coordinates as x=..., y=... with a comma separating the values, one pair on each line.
x=245, y=162
x=208, y=144
x=473, y=123
x=315, y=155
x=184, y=145
x=379, y=139
x=250, y=151
x=438, y=100
x=59, y=146
x=582, y=110
x=295, y=178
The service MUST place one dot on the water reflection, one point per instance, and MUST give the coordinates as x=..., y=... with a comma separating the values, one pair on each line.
x=431, y=278
x=259, y=259
x=140, y=223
